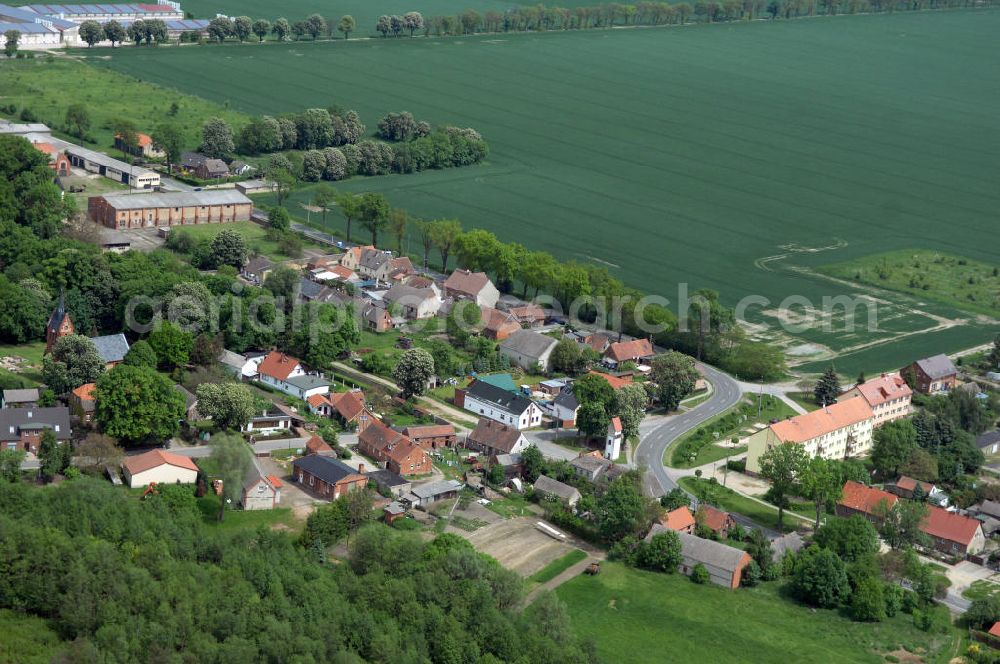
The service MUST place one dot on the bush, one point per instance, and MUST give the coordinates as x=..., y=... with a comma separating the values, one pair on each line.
x=699, y=574
x=751, y=575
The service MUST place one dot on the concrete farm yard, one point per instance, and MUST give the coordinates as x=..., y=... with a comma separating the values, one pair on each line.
x=738, y=153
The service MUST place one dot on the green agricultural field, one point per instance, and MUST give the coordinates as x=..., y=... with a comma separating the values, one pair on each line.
x=738, y=157
x=637, y=616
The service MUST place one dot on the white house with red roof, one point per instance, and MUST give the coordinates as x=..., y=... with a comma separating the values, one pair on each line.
x=286, y=373
x=888, y=396
x=159, y=467
x=613, y=441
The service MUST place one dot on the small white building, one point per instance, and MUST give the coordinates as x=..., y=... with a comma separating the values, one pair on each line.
x=613, y=441
x=285, y=373
x=260, y=491
x=242, y=366
x=159, y=467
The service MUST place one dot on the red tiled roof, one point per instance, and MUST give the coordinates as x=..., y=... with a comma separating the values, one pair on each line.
x=712, y=518
x=467, y=283
x=152, y=459
x=678, y=519
x=348, y=404
x=864, y=498
x=275, y=482
x=85, y=391
x=494, y=435
x=496, y=320
x=623, y=351
x=317, y=400
x=909, y=484
x=278, y=365
x=429, y=430
x=616, y=424
x=401, y=450
x=836, y=416
x=616, y=382
x=949, y=526
x=995, y=630
x=378, y=436
x=342, y=272
x=47, y=148
x=529, y=312
x=884, y=388
x=317, y=445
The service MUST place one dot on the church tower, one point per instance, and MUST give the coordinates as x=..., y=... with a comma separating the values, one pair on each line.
x=60, y=324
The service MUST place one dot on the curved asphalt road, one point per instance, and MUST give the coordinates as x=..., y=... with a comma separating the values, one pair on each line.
x=725, y=394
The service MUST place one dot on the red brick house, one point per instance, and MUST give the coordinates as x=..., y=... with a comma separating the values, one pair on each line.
x=58, y=161
x=498, y=325
x=716, y=520
x=432, y=436
x=22, y=428
x=931, y=375
x=316, y=445
x=949, y=532
x=399, y=454
x=327, y=477
x=348, y=408
x=864, y=500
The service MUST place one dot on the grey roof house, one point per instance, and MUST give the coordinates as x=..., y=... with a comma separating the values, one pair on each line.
x=20, y=398
x=724, y=563
x=112, y=348
x=551, y=488
x=528, y=349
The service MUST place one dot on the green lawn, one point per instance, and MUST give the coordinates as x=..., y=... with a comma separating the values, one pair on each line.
x=729, y=500
x=31, y=367
x=712, y=147
x=26, y=639
x=638, y=617
x=698, y=447
x=236, y=519
x=254, y=234
x=514, y=504
x=805, y=399
x=981, y=590
x=558, y=566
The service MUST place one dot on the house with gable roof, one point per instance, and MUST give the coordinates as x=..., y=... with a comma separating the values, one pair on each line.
x=287, y=374
x=932, y=374
x=639, y=351
x=528, y=349
x=839, y=430
x=499, y=404
x=888, y=396
x=474, y=286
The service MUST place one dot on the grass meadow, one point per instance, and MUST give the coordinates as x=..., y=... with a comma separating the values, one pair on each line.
x=637, y=616
x=737, y=157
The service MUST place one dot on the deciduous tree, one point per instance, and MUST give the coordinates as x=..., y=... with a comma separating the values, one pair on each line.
x=136, y=404
x=229, y=405
x=675, y=376
x=374, y=213
x=217, y=138
x=91, y=32
x=414, y=369
x=782, y=465
x=231, y=458
x=261, y=27
x=346, y=25
x=894, y=444
x=171, y=344
x=74, y=361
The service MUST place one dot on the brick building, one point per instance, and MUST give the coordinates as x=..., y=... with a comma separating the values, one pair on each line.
x=169, y=209
x=432, y=436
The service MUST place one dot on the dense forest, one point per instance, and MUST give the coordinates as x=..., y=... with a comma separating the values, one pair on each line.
x=123, y=579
